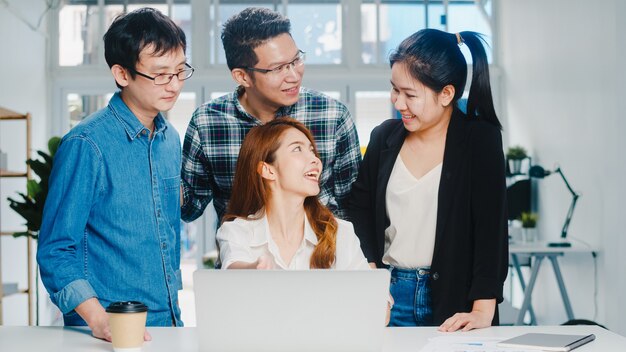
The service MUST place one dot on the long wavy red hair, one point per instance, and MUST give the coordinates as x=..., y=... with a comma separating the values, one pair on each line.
x=251, y=193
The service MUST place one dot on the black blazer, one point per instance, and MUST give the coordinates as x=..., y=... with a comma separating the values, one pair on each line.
x=470, y=259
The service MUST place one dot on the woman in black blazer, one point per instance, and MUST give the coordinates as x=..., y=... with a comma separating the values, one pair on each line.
x=429, y=202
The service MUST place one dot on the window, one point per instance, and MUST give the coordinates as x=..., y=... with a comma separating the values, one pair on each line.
x=81, y=30
x=385, y=23
x=316, y=27
x=80, y=106
x=180, y=115
x=372, y=108
x=349, y=60
x=224, y=11
x=78, y=26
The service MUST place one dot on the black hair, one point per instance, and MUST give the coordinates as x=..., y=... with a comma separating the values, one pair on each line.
x=434, y=58
x=245, y=31
x=130, y=33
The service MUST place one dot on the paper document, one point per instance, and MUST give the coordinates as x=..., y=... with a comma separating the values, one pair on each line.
x=467, y=344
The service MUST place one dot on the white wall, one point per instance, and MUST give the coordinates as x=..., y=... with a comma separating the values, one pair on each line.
x=563, y=75
x=23, y=88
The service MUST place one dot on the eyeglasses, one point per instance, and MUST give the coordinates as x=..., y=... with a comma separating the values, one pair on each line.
x=283, y=69
x=166, y=78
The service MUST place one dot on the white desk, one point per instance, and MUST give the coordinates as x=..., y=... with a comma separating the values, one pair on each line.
x=538, y=251
x=24, y=338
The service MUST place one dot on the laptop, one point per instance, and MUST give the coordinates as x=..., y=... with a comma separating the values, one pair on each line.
x=548, y=342
x=271, y=310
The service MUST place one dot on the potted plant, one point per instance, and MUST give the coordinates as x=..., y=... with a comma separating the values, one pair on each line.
x=515, y=155
x=529, y=224
x=31, y=206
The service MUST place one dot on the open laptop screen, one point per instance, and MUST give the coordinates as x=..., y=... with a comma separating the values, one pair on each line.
x=313, y=310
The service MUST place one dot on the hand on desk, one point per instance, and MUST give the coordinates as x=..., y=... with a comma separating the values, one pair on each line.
x=96, y=317
x=390, y=303
x=480, y=317
x=98, y=320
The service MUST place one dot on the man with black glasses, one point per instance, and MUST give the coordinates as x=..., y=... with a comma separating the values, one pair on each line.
x=111, y=223
x=267, y=65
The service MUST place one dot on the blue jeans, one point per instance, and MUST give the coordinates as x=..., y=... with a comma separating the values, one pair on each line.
x=410, y=289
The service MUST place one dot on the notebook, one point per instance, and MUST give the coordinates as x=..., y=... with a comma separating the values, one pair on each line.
x=313, y=310
x=548, y=342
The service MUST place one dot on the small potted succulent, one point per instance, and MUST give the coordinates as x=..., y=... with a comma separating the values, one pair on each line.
x=529, y=224
x=514, y=156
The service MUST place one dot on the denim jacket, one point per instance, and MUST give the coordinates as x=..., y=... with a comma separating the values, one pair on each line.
x=111, y=223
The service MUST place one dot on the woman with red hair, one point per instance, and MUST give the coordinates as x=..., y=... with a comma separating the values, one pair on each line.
x=274, y=219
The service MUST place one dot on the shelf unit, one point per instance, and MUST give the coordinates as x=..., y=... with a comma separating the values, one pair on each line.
x=9, y=289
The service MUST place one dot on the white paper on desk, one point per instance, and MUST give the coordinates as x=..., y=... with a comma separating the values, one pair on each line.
x=467, y=344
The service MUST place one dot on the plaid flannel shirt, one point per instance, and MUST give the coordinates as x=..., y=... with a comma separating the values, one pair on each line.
x=217, y=129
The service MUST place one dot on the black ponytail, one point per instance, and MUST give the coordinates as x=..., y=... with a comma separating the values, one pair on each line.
x=480, y=100
x=435, y=59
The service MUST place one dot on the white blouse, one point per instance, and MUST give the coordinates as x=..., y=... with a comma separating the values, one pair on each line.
x=245, y=240
x=412, y=211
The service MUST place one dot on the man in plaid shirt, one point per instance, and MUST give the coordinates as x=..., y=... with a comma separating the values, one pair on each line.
x=268, y=67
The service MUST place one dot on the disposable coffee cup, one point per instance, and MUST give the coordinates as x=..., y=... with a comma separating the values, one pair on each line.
x=127, y=321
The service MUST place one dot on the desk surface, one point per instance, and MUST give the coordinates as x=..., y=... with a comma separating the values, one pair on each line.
x=542, y=247
x=24, y=338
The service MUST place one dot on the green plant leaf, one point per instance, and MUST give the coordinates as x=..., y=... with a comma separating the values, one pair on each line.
x=516, y=153
x=33, y=188
x=34, y=235
x=47, y=158
x=30, y=211
x=39, y=168
x=529, y=220
x=30, y=207
x=21, y=234
x=53, y=146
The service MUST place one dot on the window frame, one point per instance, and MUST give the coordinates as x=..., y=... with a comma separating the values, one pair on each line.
x=350, y=75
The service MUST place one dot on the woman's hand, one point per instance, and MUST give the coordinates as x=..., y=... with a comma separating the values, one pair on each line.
x=389, y=306
x=480, y=317
x=264, y=263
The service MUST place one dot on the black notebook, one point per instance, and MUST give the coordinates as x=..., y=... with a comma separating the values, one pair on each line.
x=548, y=342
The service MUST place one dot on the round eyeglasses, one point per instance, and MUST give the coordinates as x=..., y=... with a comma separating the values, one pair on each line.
x=281, y=70
x=166, y=78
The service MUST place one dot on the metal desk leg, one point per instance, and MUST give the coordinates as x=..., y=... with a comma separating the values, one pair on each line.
x=559, y=280
x=518, y=270
x=529, y=290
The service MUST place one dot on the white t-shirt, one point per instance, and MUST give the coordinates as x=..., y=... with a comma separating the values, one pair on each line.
x=412, y=211
x=245, y=240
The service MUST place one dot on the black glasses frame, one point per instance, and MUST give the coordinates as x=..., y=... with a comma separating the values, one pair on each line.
x=171, y=75
x=301, y=56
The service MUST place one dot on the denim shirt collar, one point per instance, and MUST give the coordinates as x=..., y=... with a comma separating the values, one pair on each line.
x=131, y=123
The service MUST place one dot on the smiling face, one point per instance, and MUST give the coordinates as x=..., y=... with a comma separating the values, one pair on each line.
x=271, y=89
x=296, y=168
x=421, y=107
x=141, y=95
